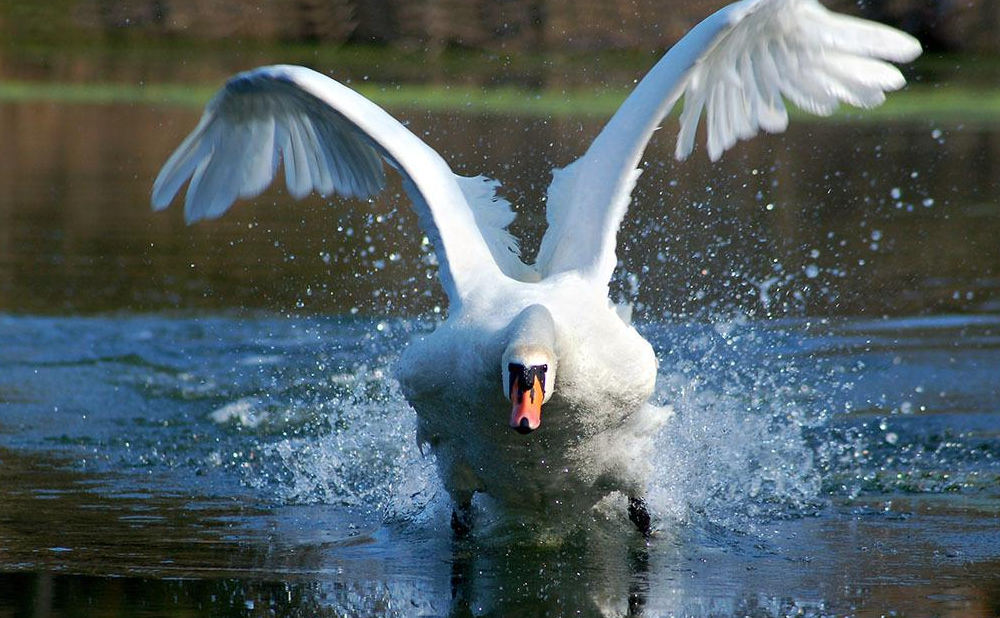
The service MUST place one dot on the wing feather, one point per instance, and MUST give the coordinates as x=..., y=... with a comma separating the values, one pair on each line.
x=773, y=117
x=261, y=161
x=186, y=159
x=735, y=68
x=332, y=141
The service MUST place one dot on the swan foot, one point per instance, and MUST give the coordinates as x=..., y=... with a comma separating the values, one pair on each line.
x=638, y=513
x=461, y=520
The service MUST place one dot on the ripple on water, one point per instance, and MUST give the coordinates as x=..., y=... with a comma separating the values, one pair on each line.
x=295, y=439
x=767, y=420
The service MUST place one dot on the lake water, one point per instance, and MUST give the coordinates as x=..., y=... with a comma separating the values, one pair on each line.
x=203, y=420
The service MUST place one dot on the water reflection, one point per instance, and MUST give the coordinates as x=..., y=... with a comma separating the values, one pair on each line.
x=590, y=575
x=71, y=542
x=829, y=218
x=559, y=583
x=57, y=518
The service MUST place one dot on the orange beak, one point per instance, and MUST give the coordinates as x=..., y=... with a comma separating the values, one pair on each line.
x=526, y=413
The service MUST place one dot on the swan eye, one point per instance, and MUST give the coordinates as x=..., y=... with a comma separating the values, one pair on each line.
x=524, y=377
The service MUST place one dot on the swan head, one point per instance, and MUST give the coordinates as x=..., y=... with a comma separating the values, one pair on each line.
x=528, y=367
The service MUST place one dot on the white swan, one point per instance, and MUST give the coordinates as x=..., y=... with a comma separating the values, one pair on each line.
x=520, y=336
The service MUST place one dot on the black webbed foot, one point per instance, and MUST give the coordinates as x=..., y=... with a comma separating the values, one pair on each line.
x=638, y=513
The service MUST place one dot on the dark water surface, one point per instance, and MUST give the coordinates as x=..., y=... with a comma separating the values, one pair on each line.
x=152, y=463
x=830, y=218
x=202, y=421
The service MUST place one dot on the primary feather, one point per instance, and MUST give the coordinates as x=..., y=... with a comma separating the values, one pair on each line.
x=333, y=141
x=737, y=67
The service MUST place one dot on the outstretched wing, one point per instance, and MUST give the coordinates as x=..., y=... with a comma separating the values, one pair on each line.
x=737, y=64
x=333, y=141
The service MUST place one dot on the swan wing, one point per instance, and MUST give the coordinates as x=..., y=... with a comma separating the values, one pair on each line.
x=334, y=141
x=737, y=66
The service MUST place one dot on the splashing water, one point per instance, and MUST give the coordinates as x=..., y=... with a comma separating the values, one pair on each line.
x=733, y=455
x=289, y=439
x=363, y=456
x=735, y=452
x=773, y=419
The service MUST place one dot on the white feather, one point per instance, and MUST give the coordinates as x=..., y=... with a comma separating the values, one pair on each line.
x=734, y=67
x=493, y=215
x=333, y=141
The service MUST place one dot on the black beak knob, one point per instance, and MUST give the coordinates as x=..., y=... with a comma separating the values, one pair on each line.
x=522, y=427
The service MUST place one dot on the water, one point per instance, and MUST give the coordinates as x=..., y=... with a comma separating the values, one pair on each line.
x=204, y=419
x=271, y=460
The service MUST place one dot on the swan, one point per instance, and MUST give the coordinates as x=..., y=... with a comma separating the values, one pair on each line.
x=522, y=338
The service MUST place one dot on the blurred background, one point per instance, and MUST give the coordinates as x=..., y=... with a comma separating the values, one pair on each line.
x=883, y=212
x=512, y=25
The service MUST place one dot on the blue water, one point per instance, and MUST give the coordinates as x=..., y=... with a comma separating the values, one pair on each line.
x=825, y=467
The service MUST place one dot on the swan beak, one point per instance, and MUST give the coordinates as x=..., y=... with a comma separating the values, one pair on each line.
x=526, y=412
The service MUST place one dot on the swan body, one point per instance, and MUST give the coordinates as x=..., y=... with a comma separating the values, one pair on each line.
x=519, y=337
x=598, y=427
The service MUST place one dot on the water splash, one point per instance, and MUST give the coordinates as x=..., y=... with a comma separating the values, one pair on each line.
x=773, y=419
x=358, y=452
x=734, y=455
x=736, y=452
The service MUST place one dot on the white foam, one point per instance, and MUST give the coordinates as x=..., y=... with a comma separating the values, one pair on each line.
x=244, y=411
x=733, y=454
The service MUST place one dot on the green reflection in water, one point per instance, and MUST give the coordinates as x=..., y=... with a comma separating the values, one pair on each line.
x=915, y=103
